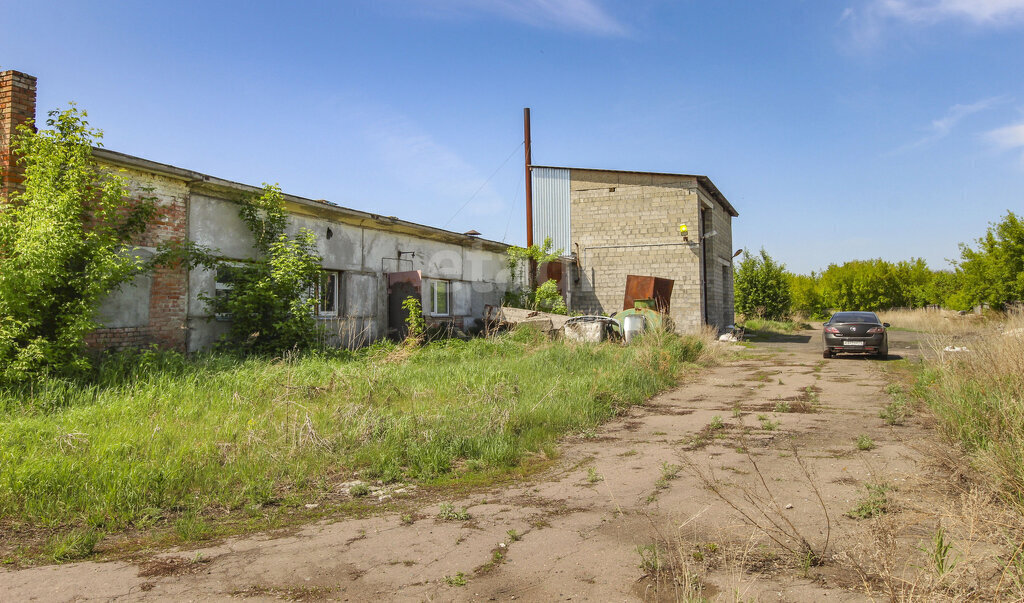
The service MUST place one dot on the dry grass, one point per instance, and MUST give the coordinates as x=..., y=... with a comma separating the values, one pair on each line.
x=933, y=321
x=977, y=392
x=967, y=549
x=964, y=545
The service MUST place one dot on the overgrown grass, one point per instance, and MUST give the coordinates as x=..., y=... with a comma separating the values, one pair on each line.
x=160, y=438
x=932, y=321
x=765, y=326
x=977, y=393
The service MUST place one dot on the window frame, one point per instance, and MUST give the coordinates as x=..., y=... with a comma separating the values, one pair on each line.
x=224, y=287
x=320, y=313
x=447, y=297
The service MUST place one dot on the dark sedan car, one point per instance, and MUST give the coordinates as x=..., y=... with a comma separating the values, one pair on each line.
x=855, y=333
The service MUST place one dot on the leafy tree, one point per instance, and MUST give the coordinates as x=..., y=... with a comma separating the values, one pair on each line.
x=806, y=295
x=64, y=246
x=762, y=287
x=269, y=303
x=516, y=256
x=993, y=273
x=862, y=285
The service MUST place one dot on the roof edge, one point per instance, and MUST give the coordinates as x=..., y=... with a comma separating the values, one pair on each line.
x=315, y=207
x=701, y=179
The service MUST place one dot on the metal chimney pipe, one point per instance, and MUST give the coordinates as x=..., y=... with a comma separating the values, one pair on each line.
x=529, y=185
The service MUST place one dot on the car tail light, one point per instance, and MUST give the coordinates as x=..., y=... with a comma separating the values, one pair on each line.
x=876, y=330
x=832, y=330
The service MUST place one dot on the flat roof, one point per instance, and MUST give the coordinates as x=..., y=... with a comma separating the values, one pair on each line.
x=703, y=180
x=316, y=207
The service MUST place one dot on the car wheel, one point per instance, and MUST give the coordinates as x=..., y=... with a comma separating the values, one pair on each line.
x=883, y=352
x=826, y=353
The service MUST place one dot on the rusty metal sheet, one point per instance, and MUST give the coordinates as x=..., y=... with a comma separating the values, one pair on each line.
x=555, y=271
x=648, y=287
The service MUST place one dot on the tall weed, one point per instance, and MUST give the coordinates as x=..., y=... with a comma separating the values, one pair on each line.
x=154, y=433
x=977, y=392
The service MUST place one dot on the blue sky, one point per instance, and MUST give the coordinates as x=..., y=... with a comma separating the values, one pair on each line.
x=839, y=130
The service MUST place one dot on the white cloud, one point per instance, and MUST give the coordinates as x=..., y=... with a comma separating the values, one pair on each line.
x=941, y=127
x=869, y=20
x=579, y=15
x=1008, y=138
x=931, y=11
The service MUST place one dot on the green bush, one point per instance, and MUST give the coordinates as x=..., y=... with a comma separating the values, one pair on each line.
x=545, y=297
x=807, y=297
x=415, y=321
x=873, y=285
x=269, y=304
x=762, y=287
x=64, y=245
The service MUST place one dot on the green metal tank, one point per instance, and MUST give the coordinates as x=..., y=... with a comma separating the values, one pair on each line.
x=653, y=320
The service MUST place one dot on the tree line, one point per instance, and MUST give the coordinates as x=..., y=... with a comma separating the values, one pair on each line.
x=991, y=271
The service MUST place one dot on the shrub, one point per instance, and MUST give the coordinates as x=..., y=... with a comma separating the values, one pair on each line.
x=806, y=295
x=546, y=297
x=415, y=321
x=270, y=305
x=64, y=246
x=762, y=287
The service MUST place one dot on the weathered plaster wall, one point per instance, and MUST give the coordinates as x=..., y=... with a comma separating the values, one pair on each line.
x=164, y=308
x=364, y=256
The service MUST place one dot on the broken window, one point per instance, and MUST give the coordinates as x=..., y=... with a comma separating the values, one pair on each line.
x=226, y=276
x=327, y=294
x=439, y=297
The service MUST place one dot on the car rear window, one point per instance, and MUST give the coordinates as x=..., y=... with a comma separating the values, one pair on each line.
x=854, y=317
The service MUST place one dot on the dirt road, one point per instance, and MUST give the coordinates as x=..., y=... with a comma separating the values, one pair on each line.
x=629, y=512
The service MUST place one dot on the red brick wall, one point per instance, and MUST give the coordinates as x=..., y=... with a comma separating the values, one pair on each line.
x=17, y=106
x=168, y=299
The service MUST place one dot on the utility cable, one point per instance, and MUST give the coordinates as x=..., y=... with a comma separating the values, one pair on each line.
x=483, y=185
x=511, y=210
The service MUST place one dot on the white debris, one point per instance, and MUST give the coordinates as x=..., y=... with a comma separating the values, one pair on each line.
x=1019, y=333
x=728, y=337
x=955, y=348
x=789, y=506
x=584, y=331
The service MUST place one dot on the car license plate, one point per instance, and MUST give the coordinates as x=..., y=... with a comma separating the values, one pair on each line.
x=853, y=343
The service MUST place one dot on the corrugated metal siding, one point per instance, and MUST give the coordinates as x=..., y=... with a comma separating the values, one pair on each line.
x=551, y=207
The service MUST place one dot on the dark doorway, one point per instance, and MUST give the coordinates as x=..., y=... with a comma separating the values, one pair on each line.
x=401, y=285
x=705, y=228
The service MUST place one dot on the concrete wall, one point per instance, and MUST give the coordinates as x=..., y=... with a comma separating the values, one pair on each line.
x=164, y=308
x=719, y=252
x=364, y=256
x=628, y=223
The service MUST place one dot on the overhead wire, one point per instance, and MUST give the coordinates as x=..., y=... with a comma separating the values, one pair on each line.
x=483, y=185
x=511, y=210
